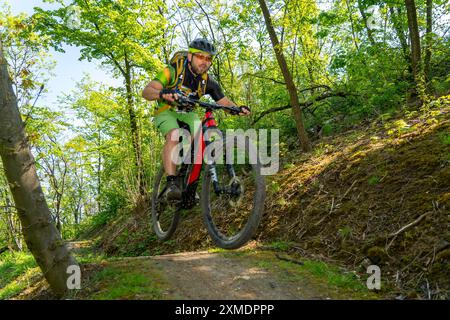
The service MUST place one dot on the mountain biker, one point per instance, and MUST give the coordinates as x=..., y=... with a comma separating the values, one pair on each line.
x=191, y=78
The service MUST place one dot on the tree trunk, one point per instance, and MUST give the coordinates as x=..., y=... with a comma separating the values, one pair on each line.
x=400, y=34
x=135, y=136
x=7, y=217
x=350, y=13
x=99, y=172
x=428, y=38
x=414, y=37
x=296, y=109
x=14, y=227
x=41, y=236
x=58, y=212
x=364, y=16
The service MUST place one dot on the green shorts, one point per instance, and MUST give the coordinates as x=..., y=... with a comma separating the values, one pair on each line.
x=167, y=120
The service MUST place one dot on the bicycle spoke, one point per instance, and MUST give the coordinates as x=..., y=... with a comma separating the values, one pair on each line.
x=165, y=214
x=233, y=203
x=230, y=212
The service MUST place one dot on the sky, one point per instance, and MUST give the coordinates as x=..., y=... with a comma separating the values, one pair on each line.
x=69, y=70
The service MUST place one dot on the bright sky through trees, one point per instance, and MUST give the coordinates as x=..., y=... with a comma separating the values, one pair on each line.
x=69, y=70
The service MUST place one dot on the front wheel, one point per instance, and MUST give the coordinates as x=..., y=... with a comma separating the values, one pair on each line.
x=233, y=195
x=165, y=214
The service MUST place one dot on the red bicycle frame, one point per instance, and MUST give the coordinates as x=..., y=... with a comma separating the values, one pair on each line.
x=208, y=121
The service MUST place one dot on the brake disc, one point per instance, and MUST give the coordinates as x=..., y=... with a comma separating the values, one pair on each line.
x=238, y=200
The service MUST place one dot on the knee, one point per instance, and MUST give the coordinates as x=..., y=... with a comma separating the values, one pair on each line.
x=177, y=135
x=173, y=136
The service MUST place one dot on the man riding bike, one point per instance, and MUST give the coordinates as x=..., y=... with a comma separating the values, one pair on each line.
x=190, y=77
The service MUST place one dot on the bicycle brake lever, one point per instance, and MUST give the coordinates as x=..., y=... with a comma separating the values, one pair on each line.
x=185, y=102
x=234, y=110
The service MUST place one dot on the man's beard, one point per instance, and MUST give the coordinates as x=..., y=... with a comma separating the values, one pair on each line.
x=199, y=70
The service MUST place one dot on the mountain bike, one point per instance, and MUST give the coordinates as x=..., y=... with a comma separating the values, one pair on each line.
x=232, y=188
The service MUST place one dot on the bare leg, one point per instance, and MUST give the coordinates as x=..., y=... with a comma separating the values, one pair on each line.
x=169, y=147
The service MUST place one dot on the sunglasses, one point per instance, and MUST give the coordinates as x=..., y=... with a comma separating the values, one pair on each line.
x=203, y=57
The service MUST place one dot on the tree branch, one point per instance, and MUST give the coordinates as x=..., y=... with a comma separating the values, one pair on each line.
x=32, y=107
x=301, y=104
x=315, y=87
x=265, y=78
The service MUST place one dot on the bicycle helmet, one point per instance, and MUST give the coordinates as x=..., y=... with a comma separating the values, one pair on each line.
x=204, y=45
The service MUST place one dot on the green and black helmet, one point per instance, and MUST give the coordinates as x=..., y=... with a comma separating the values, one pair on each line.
x=202, y=45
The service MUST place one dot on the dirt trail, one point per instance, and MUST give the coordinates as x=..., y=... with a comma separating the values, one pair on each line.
x=255, y=274
x=228, y=275
x=203, y=275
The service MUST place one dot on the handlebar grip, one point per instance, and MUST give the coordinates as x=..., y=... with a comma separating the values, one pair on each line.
x=234, y=110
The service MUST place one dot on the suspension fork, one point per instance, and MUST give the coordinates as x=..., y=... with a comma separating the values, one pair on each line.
x=213, y=174
x=210, y=123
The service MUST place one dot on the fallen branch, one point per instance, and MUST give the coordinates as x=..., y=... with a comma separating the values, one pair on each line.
x=348, y=190
x=289, y=260
x=329, y=213
x=412, y=224
x=404, y=228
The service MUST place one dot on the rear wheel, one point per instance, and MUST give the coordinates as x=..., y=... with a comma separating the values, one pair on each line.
x=233, y=197
x=165, y=214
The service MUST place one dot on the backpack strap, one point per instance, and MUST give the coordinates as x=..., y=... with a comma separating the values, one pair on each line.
x=180, y=72
x=201, y=90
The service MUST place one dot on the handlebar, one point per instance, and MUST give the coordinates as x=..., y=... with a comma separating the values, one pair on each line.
x=184, y=101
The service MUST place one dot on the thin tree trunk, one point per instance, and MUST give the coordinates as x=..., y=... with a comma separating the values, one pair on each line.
x=41, y=236
x=99, y=177
x=400, y=34
x=136, y=139
x=307, y=52
x=58, y=212
x=428, y=39
x=414, y=37
x=11, y=223
x=352, y=24
x=296, y=109
x=364, y=16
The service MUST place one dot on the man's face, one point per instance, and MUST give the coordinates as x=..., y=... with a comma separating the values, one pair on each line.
x=200, y=62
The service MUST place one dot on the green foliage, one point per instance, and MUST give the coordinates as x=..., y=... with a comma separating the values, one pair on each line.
x=327, y=129
x=322, y=148
x=280, y=245
x=124, y=284
x=345, y=232
x=112, y=31
x=275, y=187
x=333, y=279
x=29, y=63
x=13, y=264
x=334, y=275
x=373, y=180
x=16, y=268
x=289, y=166
x=445, y=138
x=398, y=127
